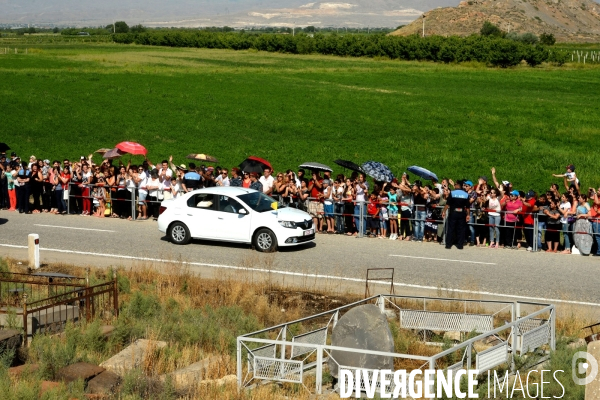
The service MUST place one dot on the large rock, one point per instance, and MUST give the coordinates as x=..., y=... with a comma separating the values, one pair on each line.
x=132, y=356
x=80, y=370
x=106, y=383
x=363, y=327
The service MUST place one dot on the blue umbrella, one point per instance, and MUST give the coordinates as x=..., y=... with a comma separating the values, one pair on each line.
x=378, y=171
x=423, y=173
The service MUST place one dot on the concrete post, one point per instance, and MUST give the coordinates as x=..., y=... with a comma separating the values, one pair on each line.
x=33, y=241
x=361, y=215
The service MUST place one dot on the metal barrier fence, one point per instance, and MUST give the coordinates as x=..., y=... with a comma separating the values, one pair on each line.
x=290, y=355
x=46, y=301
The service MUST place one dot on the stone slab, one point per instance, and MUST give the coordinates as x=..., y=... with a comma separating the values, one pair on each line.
x=105, y=383
x=132, y=356
x=363, y=327
x=80, y=370
x=193, y=373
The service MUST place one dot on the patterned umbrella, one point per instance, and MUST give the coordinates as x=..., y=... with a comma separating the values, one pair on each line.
x=423, y=173
x=132, y=148
x=349, y=165
x=314, y=166
x=112, y=154
x=202, y=157
x=378, y=171
x=102, y=151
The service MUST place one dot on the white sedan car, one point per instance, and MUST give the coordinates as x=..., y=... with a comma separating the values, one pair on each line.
x=234, y=214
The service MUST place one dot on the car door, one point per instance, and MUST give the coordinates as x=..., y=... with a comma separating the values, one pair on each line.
x=201, y=215
x=231, y=225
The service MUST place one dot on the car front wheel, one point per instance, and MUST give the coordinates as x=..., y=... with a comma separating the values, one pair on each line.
x=265, y=241
x=179, y=233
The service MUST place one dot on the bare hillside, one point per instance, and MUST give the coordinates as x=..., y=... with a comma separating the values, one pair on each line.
x=568, y=20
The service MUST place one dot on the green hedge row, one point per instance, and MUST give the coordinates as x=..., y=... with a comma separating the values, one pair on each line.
x=493, y=50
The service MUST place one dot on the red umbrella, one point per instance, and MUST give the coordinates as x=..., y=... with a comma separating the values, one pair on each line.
x=261, y=160
x=132, y=148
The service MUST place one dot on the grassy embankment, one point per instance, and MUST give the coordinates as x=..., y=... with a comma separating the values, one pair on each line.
x=458, y=120
x=200, y=318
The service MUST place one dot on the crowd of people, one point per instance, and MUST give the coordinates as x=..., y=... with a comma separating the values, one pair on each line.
x=407, y=210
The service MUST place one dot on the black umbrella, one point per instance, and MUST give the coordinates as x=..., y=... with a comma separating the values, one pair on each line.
x=349, y=165
x=4, y=147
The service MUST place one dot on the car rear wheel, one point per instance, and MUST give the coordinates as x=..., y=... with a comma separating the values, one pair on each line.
x=179, y=233
x=265, y=241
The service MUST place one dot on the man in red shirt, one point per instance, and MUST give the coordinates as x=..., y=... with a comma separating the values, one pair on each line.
x=529, y=207
x=315, y=203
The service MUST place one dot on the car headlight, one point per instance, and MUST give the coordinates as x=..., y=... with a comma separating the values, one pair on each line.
x=288, y=224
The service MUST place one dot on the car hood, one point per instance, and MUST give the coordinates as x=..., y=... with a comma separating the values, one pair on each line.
x=292, y=214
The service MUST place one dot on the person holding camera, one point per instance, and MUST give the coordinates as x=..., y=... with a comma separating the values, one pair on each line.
x=420, y=199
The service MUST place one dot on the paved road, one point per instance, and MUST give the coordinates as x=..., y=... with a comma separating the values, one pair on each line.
x=417, y=265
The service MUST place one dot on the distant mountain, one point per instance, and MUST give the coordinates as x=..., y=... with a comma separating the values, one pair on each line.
x=568, y=20
x=236, y=13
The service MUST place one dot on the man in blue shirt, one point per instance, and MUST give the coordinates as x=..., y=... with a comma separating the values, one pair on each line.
x=191, y=179
x=458, y=207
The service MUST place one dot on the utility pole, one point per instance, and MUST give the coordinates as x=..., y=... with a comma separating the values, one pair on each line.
x=114, y=27
x=423, y=25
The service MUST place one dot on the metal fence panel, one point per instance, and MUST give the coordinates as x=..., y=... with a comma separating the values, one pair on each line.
x=445, y=321
x=278, y=370
x=535, y=338
x=318, y=336
x=491, y=357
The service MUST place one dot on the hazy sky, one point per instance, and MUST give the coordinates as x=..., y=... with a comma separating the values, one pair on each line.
x=217, y=12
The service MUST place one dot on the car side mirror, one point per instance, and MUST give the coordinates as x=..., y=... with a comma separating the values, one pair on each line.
x=243, y=211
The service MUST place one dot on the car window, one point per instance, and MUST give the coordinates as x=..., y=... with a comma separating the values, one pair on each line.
x=205, y=201
x=257, y=201
x=229, y=204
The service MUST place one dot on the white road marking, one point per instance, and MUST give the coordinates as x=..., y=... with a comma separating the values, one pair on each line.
x=443, y=259
x=320, y=276
x=71, y=227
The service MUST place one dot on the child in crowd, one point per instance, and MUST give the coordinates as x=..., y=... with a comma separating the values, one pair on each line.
x=373, y=215
x=383, y=213
x=570, y=175
x=392, y=211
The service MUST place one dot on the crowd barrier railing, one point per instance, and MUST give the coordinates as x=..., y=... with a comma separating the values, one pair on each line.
x=359, y=215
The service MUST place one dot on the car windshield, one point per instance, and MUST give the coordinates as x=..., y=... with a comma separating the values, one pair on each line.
x=257, y=201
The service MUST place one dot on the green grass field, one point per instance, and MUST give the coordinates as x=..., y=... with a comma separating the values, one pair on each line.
x=458, y=120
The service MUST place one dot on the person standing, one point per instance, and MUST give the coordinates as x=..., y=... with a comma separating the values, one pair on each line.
x=191, y=179
x=514, y=206
x=361, y=188
x=223, y=178
x=458, y=206
x=255, y=183
x=236, y=179
x=315, y=205
x=10, y=185
x=267, y=181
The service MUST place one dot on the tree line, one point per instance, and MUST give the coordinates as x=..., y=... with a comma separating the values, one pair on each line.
x=494, y=50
